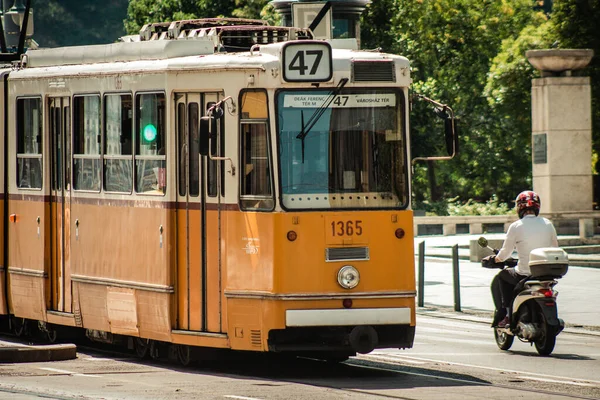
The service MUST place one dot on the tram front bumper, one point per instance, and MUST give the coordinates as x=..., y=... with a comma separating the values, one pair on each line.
x=348, y=331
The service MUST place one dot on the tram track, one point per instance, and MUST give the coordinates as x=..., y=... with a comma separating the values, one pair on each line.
x=369, y=375
x=300, y=366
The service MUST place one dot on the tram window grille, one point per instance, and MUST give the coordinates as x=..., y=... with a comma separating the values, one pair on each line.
x=347, y=254
x=29, y=143
x=118, y=146
x=373, y=71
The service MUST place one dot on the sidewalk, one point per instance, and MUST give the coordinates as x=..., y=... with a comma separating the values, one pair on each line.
x=577, y=288
x=580, y=254
x=15, y=352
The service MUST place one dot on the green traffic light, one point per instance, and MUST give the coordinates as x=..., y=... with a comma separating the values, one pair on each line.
x=149, y=133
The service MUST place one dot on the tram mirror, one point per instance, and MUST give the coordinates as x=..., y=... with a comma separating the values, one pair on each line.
x=204, y=135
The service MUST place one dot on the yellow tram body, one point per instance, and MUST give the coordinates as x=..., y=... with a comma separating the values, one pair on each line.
x=119, y=226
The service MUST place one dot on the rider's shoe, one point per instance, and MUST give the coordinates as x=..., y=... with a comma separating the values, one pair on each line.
x=499, y=315
x=504, y=323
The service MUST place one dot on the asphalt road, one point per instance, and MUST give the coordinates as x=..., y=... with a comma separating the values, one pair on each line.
x=451, y=359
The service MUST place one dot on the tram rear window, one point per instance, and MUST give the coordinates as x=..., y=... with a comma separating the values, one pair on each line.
x=29, y=143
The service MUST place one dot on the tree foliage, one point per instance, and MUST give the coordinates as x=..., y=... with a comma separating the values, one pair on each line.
x=141, y=12
x=76, y=22
x=453, y=46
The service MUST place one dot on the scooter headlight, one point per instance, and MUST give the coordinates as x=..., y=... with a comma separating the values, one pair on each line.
x=348, y=277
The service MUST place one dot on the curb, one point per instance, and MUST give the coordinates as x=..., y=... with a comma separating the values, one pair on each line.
x=22, y=354
x=438, y=312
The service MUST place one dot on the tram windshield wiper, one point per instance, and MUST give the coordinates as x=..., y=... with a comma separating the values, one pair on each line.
x=319, y=113
x=321, y=110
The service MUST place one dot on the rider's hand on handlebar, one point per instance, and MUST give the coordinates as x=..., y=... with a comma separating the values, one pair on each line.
x=490, y=259
x=490, y=262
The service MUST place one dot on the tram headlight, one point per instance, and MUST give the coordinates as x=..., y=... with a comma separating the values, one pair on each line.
x=348, y=277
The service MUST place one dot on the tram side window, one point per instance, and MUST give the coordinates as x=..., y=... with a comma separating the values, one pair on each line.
x=86, y=143
x=150, y=159
x=29, y=143
x=118, y=134
x=256, y=191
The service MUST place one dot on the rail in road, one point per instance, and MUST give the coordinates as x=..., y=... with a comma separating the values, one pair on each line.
x=451, y=359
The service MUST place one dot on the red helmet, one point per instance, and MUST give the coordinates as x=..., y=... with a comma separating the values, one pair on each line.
x=528, y=200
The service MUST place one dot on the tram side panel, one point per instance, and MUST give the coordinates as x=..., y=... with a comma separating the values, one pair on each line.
x=119, y=258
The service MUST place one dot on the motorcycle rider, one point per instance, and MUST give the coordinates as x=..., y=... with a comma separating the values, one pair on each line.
x=528, y=233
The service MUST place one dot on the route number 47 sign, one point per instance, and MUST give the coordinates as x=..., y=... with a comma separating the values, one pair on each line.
x=307, y=62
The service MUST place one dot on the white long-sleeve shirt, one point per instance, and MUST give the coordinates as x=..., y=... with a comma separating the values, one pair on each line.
x=526, y=234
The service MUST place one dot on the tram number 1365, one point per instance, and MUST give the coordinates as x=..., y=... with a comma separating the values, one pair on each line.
x=346, y=228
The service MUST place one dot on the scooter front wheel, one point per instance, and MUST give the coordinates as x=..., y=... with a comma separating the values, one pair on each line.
x=503, y=339
x=545, y=344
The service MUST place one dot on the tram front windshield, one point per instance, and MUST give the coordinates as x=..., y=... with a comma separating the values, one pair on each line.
x=351, y=154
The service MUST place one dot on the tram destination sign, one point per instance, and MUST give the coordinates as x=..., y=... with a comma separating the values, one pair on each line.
x=307, y=62
x=340, y=101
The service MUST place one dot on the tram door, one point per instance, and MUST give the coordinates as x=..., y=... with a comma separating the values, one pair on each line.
x=195, y=306
x=60, y=203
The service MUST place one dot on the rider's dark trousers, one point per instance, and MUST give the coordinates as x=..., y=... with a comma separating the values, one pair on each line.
x=503, y=286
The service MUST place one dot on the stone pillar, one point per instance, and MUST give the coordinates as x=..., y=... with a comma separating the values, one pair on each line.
x=561, y=130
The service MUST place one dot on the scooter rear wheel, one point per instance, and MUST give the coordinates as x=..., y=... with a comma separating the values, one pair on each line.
x=503, y=339
x=545, y=344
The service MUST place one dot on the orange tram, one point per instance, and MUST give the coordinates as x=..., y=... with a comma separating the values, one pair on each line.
x=209, y=184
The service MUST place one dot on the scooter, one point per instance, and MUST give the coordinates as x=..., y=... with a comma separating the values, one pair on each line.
x=533, y=314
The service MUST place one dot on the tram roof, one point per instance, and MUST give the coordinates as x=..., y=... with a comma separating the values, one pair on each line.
x=263, y=58
x=167, y=40
x=188, y=43
x=161, y=56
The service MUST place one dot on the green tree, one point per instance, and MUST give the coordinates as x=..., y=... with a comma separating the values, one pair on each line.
x=141, y=12
x=376, y=26
x=76, y=22
x=451, y=45
x=508, y=91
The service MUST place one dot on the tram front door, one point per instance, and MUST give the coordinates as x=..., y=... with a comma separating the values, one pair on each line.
x=60, y=204
x=198, y=273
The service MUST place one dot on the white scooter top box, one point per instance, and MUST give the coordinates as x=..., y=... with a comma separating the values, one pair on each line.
x=548, y=262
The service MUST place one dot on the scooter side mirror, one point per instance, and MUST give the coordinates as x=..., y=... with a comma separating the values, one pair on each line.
x=483, y=242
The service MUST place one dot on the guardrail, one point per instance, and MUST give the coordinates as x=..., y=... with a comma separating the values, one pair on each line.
x=455, y=277
x=583, y=223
